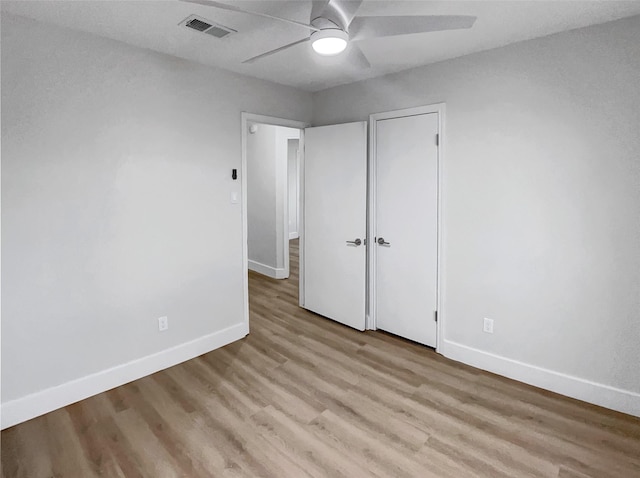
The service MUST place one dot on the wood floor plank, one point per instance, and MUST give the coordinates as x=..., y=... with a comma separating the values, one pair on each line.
x=304, y=396
x=93, y=440
x=325, y=457
x=154, y=459
x=384, y=458
x=64, y=446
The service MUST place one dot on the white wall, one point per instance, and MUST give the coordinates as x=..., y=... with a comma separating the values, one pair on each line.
x=293, y=160
x=541, y=204
x=267, y=150
x=116, y=184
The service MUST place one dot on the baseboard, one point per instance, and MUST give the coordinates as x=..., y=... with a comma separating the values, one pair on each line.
x=624, y=401
x=293, y=235
x=368, y=322
x=266, y=270
x=28, y=407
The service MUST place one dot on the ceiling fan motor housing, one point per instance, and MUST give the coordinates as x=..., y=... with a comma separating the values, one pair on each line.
x=329, y=41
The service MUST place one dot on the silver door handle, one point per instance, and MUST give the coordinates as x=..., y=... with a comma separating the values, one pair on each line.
x=357, y=242
x=382, y=242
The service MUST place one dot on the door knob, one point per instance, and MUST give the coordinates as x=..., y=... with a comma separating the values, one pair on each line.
x=382, y=242
x=357, y=242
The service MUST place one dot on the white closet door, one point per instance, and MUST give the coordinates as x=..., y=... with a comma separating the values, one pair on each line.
x=406, y=215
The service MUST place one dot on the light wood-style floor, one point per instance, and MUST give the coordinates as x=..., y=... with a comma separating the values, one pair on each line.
x=304, y=396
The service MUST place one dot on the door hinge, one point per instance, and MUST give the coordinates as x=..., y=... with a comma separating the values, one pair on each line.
x=435, y=315
x=438, y=139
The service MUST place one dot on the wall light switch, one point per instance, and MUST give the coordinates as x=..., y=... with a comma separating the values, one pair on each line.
x=234, y=197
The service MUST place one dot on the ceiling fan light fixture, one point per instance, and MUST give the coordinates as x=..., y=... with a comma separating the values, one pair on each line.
x=329, y=42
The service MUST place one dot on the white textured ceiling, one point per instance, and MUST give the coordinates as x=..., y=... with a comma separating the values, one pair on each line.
x=154, y=25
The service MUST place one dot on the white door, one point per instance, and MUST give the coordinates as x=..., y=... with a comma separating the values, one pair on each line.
x=406, y=226
x=335, y=192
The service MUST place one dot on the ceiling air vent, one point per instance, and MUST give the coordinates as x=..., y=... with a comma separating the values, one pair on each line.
x=206, y=26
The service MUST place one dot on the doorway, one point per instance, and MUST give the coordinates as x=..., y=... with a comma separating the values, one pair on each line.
x=269, y=148
x=269, y=203
x=293, y=172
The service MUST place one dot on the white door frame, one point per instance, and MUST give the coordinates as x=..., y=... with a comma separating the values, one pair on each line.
x=439, y=109
x=247, y=118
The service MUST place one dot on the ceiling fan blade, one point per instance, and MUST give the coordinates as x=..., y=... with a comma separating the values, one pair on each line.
x=344, y=9
x=362, y=28
x=224, y=6
x=356, y=57
x=271, y=52
x=338, y=12
x=317, y=8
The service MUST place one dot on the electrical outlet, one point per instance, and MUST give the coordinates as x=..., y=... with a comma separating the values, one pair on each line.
x=487, y=326
x=163, y=323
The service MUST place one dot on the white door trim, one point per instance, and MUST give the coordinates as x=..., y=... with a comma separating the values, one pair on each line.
x=301, y=218
x=439, y=109
x=245, y=119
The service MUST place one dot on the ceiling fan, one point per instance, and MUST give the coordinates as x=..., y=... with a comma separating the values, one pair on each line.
x=334, y=25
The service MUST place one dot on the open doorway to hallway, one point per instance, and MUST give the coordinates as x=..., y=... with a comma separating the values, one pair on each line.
x=271, y=161
x=272, y=197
